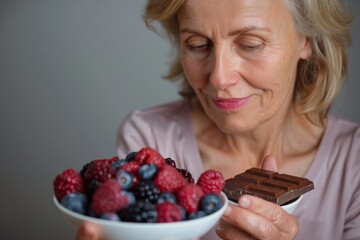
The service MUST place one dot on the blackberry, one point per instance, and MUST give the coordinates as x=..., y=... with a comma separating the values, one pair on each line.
x=84, y=168
x=147, y=191
x=141, y=211
x=92, y=187
x=170, y=162
x=186, y=174
x=130, y=157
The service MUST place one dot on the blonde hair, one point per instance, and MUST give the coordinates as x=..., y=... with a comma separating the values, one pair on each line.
x=319, y=79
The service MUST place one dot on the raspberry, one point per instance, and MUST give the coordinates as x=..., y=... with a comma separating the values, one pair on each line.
x=132, y=167
x=186, y=174
x=69, y=181
x=108, y=198
x=189, y=197
x=169, y=212
x=100, y=170
x=211, y=181
x=149, y=155
x=168, y=179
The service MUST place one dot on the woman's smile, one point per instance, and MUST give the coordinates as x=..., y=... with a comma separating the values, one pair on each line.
x=230, y=104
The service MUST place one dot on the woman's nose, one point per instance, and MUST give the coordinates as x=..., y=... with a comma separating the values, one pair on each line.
x=224, y=69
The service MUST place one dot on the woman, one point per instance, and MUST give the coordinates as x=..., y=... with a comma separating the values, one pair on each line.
x=259, y=79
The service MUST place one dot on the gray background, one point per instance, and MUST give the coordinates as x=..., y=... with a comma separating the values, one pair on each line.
x=69, y=73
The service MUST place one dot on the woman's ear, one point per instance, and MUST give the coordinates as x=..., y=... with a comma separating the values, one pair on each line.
x=306, y=48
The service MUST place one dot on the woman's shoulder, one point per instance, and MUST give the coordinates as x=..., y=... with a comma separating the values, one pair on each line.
x=342, y=140
x=343, y=127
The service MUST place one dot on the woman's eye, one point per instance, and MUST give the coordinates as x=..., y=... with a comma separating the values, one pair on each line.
x=198, y=48
x=250, y=47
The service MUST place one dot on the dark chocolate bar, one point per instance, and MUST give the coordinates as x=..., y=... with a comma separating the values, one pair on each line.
x=269, y=185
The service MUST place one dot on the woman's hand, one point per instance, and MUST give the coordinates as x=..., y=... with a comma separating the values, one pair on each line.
x=256, y=218
x=88, y=231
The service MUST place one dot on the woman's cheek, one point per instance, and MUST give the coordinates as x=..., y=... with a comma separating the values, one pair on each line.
x=194, y=72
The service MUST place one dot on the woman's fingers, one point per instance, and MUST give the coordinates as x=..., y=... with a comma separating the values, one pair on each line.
x=262, y=219
x=227, y=231
x=88, y=231
x=251, y=223
x=269, y=163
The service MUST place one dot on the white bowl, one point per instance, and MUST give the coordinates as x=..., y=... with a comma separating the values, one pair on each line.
x=290, y=208
x=184, y=230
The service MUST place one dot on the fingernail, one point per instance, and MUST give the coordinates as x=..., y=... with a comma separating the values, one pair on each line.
x=219, y=228
x=244, y=202
x=227, y=211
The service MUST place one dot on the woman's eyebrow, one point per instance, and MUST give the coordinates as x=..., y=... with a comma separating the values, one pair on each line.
x=191, y=31
x=232, y=33
x=248, y=29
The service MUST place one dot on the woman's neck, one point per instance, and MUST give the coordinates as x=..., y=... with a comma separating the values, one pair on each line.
x=288, y=136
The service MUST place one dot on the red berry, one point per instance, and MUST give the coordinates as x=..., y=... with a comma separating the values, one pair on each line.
x=108, y=198
x=169, y=212
x=149, y=155
x=211, y=181
x=189, y=197
x=100, y=170
x=132, y=167
x=69, y=181
x=168, y=179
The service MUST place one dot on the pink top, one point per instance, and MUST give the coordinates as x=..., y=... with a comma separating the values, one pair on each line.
x=331, y=211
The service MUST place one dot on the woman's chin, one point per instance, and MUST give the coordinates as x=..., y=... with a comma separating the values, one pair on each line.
x=238, y=127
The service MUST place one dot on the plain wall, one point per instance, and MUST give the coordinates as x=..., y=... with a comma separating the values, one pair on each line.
x=70, y=71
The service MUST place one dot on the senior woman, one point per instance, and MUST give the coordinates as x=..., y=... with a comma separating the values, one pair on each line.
x=259, y=78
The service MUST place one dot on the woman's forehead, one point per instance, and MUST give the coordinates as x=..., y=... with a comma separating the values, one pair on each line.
x=233, y=14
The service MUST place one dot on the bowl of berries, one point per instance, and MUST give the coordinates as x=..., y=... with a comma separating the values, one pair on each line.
x=142, y=195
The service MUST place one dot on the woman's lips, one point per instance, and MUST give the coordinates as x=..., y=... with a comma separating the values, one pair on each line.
x=231, y=104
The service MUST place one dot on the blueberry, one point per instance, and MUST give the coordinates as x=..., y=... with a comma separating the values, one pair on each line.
x=130, y=196
x=167, y=197
x=196, y=215
x=147, y=171
x=210, y=203
x=183, y=212
x=130, y=157
x=125, y=179
x=76, y=202
x=118, y=163
x=110, y=216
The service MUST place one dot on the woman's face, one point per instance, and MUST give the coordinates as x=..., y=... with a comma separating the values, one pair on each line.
x=240, y=57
